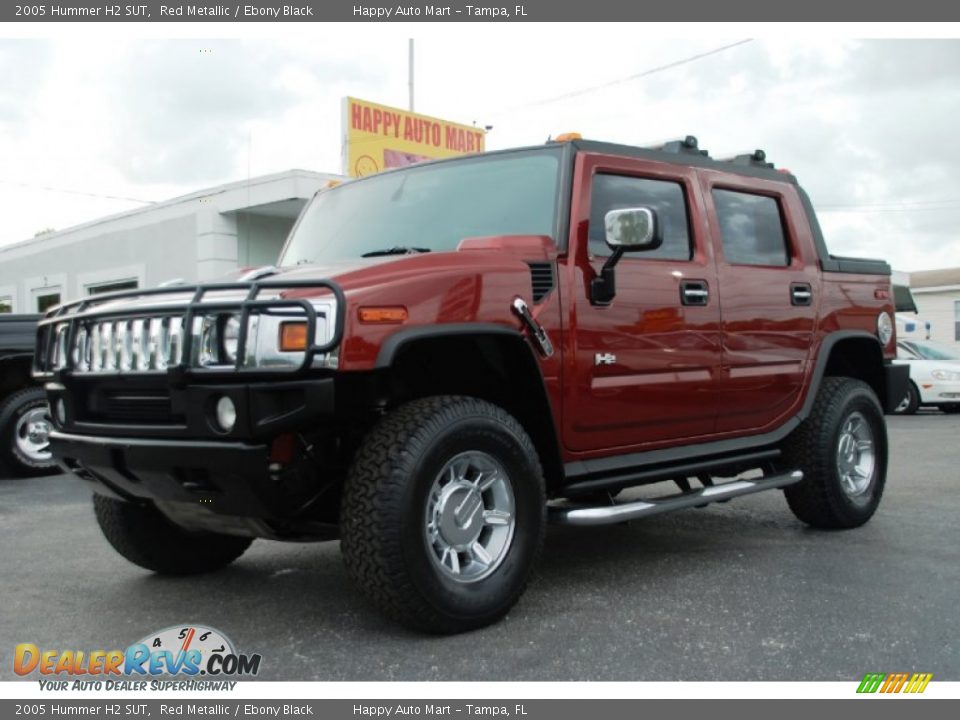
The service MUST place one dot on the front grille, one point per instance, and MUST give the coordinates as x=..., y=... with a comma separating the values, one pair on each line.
x=211, y=329
x=136, y=345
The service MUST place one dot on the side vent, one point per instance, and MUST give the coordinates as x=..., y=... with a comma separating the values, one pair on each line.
x=541, y=278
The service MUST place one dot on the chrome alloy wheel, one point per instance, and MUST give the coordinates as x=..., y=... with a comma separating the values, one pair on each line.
x=469, y=520
x=32, y=435
x=856, y=459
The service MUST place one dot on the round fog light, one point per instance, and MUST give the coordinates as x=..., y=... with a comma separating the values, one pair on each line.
x=61, y=412
x=226, y=414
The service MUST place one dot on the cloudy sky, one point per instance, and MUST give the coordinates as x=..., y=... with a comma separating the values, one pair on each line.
x=868, y=126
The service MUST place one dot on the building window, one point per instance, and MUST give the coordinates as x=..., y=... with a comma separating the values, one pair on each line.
x=956, y=320
x=45, y=302
x=111, y=287
x=751, y=229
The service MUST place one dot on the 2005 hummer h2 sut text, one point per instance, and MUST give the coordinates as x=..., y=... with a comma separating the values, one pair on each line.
x=451, y=354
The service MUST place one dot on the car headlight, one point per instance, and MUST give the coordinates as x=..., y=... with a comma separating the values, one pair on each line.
x=209, y=344
x=230, y=338
x=946, y=375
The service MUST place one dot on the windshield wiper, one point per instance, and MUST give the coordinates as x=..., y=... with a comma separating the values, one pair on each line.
x=396, y=250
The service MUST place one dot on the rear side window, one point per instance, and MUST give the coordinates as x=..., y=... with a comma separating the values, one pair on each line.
x=616, y=192
x=751, y=229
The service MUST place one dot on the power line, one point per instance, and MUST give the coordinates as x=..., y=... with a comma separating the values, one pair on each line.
x=631, y=78
x=900, y=204
x=47, y=188
x=919, y=206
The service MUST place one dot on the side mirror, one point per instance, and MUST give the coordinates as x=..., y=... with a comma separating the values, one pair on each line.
x=633, y=229
x=627, y=230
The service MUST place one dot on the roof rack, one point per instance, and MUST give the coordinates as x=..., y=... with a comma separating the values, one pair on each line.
x=687, y=145
x=757, y=159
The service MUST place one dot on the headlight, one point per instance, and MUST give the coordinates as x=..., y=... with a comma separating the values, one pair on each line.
x=230, y=338
x=209, y=344
x=946, y=375
x=884, y=328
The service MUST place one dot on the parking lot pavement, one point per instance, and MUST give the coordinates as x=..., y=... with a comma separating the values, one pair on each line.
x=738, y=591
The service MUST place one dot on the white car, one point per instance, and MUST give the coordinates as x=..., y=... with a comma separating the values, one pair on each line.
x=934, y=376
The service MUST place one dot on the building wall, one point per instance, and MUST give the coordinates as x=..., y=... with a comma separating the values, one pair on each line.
x=940, y=308
x=198, y=237
x=149, y=254
x=260, y=238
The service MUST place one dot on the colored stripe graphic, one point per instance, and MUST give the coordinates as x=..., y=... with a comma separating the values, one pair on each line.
x=895, y=682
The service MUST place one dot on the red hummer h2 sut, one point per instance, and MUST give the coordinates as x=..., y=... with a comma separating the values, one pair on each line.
x=450, y=355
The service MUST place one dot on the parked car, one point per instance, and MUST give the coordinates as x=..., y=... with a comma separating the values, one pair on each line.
x=450, y=354
x=24, y=416
x=934, y=376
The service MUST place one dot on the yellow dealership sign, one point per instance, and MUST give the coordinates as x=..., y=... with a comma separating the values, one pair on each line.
x=378, y=137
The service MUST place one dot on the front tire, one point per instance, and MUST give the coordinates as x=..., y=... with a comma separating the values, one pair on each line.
x=443, y=514
x=910, y=402
x=145, y=537
x=25, y=425
x=842, y=450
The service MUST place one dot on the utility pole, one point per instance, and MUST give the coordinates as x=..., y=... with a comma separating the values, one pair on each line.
x=411, y=74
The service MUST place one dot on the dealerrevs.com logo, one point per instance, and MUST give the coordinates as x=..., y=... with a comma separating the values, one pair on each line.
x=181, y=651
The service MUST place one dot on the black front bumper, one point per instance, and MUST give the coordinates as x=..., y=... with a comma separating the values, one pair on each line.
x=226, y=477
x=198, y=475
x=145, y=407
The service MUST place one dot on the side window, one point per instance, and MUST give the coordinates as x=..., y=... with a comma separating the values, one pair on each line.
x=614, y=192
x=751, y=229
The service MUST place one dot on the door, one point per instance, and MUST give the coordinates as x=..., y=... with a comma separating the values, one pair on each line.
x=769, y=287
x=642, y=369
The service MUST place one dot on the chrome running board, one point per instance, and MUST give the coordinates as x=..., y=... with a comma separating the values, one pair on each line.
x=617, y=513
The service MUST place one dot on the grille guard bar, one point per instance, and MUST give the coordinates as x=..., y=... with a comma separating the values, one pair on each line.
x=73, y=314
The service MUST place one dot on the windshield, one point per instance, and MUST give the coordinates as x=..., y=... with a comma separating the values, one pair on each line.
x=430, y=208
x=932, y=351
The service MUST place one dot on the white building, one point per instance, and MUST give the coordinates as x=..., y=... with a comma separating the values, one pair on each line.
x=196, y=237
x=937, y=294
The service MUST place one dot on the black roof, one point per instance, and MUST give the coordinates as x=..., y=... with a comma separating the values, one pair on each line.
x=687, y=152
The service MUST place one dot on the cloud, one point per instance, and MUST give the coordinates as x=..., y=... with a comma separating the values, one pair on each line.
x=23, y=67
x=861, y=123
x=184, y=108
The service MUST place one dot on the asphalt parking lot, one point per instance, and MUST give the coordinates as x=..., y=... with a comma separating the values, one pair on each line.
x=738, y=591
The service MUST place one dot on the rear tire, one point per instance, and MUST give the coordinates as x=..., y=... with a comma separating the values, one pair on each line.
x=145, y=537
x=443, y=514
x=910, y=403
x=842, y=450
x=24, y=425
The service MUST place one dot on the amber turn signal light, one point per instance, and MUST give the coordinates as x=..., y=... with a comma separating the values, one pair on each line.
x=383, y=314
x=293, y=336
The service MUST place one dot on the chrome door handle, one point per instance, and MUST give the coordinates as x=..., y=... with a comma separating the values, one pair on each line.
x=694, y=292
x=801, y=294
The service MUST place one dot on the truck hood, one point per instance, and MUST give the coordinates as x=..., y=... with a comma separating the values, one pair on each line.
x=353, y=275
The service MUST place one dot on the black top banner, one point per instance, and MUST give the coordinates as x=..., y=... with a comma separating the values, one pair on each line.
x=483, y=11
